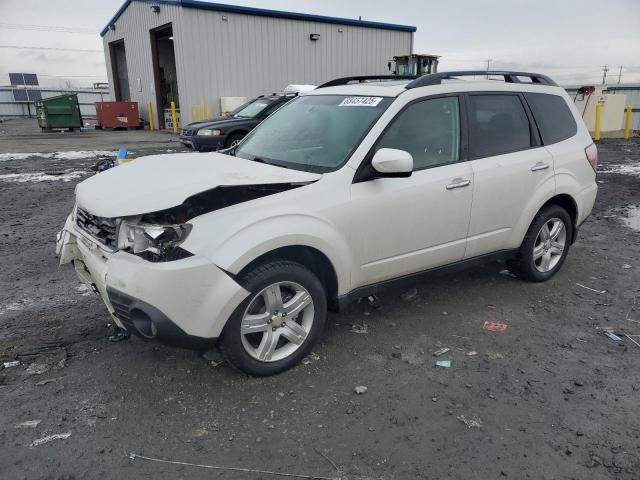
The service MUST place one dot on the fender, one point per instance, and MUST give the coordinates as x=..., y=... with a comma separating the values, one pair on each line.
x=568, y=184
x=268, y=234
x=533, y=207
x=546, y=191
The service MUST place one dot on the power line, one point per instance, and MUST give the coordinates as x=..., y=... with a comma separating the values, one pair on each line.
x=72, y=76
x=25, y=47
x=46, y=28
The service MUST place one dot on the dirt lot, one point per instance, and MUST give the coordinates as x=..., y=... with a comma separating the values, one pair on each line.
x=550, y=397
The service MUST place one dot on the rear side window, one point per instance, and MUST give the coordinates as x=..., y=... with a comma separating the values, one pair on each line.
x=552, y=114
x=497, y=124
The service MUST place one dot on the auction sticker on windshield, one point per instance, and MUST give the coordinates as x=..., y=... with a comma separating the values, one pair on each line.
x=360, y=102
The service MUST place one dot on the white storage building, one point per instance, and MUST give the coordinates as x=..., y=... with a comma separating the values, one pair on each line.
x=195, y=53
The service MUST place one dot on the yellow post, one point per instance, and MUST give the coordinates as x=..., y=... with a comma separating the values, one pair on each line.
x=208, y=112
x=596, y=131
x=174, y=121
x=150, y=112
x=627, y=122
x=202, y=111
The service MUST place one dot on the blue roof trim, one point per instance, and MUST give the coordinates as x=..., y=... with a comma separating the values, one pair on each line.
x=263, y=12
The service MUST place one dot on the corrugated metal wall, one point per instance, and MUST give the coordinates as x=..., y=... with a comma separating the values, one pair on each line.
x=230, y=54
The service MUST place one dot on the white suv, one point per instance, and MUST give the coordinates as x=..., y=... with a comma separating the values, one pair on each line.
x=342, y=192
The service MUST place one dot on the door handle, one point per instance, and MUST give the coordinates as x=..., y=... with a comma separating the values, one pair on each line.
x=458, y=183
x=539, y=166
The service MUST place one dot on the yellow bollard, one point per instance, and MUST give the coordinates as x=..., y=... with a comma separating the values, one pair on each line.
x=150, y=112
x=596, y=131
x=174, y=120
x=627, y=122
x=208, y=112
x=202, y=111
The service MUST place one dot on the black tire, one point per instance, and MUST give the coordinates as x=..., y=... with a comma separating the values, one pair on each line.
x=255, y=280
x=234, y=137
x=524, y=265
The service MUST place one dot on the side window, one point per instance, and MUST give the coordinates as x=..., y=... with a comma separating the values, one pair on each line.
x=497, y=124
x=428, y=130
x=552, y=114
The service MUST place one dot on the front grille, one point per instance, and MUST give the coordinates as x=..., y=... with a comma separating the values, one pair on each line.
x=187, y=132
x=100, y=228
x=121, y=305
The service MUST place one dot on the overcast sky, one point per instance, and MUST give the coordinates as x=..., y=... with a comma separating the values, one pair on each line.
x=568, y=39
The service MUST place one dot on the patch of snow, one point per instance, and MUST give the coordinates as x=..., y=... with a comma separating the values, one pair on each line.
x=36, y=177
x=632, y=169
x=632, y=220
x=80, y=154
x=84, y=290
x=72, y=155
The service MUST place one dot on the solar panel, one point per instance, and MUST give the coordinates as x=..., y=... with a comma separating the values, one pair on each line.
x=16, y=79
x=20, y=95
x=23, y=79
x=34, y=95
x=30, y=79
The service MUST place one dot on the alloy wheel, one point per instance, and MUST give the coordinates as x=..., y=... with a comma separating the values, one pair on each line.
x=277, y=321
x=549, y=245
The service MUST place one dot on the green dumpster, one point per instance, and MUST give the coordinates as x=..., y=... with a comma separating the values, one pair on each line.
x=62, y=111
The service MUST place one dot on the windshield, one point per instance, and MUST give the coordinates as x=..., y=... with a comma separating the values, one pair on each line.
x=315, y=133
x=252, y=109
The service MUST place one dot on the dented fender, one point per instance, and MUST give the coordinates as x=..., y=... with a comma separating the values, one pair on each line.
x=269, y=234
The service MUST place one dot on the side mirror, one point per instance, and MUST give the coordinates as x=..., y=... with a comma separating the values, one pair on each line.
x=390, y=162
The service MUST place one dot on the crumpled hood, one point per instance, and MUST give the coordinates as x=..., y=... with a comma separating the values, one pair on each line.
x=157, y=182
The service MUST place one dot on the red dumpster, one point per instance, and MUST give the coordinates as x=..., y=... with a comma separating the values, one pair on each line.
x=117, y=115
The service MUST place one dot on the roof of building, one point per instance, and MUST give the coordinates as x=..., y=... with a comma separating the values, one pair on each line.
x=220, y=7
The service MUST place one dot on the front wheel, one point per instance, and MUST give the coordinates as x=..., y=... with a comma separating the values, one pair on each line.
x=545, y=246
x=233, y=140
x=278, y=323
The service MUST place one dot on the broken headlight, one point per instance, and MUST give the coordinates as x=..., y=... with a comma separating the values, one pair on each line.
x=155, y=242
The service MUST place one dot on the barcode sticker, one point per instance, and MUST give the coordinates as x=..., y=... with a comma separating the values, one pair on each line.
x=360, y=102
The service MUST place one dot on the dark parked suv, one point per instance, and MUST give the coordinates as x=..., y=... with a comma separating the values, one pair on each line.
x=224, y=132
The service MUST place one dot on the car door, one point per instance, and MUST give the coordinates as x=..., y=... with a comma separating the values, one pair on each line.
x=511, y=170
x=405, y=225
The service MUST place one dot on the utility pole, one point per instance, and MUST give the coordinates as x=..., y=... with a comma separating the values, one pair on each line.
x=620, y=74
x=605, y=69
x=488, y=66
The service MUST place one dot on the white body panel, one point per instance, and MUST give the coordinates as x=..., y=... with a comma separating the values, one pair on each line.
x=393, y=219
x=495, y=221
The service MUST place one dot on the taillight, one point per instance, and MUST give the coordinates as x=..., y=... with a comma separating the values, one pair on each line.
x=592, y=156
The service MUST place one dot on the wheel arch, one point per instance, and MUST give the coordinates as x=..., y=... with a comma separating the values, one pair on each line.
x=310, y=257
x=235, y=131
x=567, y=202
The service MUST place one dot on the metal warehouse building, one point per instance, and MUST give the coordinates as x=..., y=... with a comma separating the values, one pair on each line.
x=197, y=53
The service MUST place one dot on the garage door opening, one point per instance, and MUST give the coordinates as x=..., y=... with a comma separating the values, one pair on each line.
x=164, y=72
x=119, y=70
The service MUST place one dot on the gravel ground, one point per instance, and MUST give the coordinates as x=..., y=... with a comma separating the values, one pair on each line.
x=550, y=397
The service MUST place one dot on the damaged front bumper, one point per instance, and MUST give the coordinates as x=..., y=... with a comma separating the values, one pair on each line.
x=184, y=303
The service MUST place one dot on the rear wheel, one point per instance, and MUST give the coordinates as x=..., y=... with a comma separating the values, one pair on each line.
x=545, y=246
x=278, y=323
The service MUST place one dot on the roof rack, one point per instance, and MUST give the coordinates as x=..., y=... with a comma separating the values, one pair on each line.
x=365, y=78
x=509, y=77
